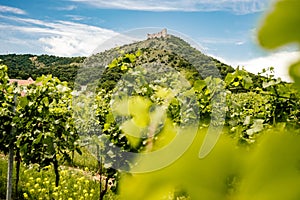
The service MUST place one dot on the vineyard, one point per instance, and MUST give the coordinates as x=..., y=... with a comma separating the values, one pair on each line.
x=155, y=119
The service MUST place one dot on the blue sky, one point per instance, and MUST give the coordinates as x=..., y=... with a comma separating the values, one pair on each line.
x=225, y=29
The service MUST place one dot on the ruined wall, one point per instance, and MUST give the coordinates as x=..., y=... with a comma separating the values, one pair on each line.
x=160, y=34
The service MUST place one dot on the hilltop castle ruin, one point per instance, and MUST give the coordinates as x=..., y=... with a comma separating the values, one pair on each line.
x=161, y=34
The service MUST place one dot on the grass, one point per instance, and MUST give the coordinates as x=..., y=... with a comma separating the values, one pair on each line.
x=85, y=160
x=74, y=184
x=3, y=176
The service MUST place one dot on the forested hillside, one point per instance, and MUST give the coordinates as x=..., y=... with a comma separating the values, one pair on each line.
x=27, y=65
x=65, y=68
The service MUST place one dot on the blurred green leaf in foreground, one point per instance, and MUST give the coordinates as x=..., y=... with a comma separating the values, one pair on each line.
x=268, y=170
x=281, y=27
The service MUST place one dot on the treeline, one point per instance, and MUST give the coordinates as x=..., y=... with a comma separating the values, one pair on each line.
x=28, y=65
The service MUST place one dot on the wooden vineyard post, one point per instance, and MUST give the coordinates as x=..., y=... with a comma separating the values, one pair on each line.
x=10, y=161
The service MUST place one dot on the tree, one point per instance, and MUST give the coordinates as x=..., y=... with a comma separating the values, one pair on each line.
x=44, y=125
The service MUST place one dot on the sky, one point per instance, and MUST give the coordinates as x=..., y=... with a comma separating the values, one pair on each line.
x=224, y=29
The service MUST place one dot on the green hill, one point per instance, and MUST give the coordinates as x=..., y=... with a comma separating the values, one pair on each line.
x=171, y=51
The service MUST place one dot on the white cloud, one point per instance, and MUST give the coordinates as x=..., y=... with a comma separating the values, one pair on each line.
x=236, y=6
x=7, y=9
x=279, y=60
x=67, y=8
x=150, y=5
x=239, y=43
x=235, y=41
x=77, y=17
x=61, y=38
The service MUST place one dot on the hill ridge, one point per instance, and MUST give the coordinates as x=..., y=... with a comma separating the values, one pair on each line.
x=66, y=68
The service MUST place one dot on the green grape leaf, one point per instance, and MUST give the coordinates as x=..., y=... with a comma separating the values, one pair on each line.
x=256, y=127
x=39, y=137
x=236, y=84
x=229, y=78
x=46, y=101
x=138, y=53
x=129, y=128
x=268, y=84
x=164, y=93
x=113, y=64
x=124, y=67
x=247, y=120
x=281, y=26
x=167, y=134
x=120, y=107
x=295, y=73
x=247, y=82
x=23, y=101
x=200, y=178
x=132, y=132
x=106, y=126
x=199, y=85
x=272, y=168
x=139, y=109
x=131, y=57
